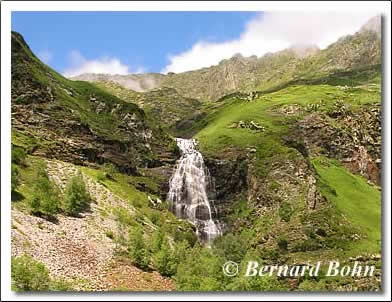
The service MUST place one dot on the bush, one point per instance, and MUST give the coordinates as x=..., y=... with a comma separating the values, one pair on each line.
x=283, y=243
x=164, y=260
x=154, y=216
x=232, y=247
x=307, y=245
x=156, y=241
x=77, y=198
x=243, y=283
x=60, y=285
x=180, y=251
x=137, y=249
x=28, y=274
x=270, y=254
x=109, y=234
x=110, y=170
x=285, y=211
x=187, y=235
x=15, y=178
x=200, y=270
x=18, y=155
x=45, y=194
x=124, y=217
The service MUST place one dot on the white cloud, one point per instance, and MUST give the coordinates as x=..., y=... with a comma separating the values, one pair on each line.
x=106, y=65
x=45, y=56
x=272, y=32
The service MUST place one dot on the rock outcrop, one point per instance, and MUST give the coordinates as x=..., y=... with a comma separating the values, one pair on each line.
x=77, y=122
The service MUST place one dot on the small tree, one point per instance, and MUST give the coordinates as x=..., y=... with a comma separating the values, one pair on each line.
x=156, y=241
x=180, y=251
x=28, y=274
x=137, y=249
x=200, y=270
x=164, y=260
x=77, y=198
x=45, y=195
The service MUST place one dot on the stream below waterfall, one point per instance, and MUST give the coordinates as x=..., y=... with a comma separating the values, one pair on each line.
x=192, y=191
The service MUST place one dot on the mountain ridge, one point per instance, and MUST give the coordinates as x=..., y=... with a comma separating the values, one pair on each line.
x=255, y=73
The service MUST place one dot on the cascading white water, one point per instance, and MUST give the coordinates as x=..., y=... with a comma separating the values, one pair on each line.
x=188, y=194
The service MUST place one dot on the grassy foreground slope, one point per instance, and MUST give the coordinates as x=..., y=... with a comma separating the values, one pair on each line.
x=93, y=250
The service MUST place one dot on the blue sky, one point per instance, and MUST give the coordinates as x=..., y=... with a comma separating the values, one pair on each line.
x=130, y=42
x=138, y=39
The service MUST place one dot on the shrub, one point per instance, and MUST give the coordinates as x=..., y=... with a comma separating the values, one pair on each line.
x=243, y=283
x=154, y=216
x=77, y=198
x=283, y=243
x=45, y=195
x=285, y=211
x=270, y=254
x=124, y=217
x=307, y=245
x=200, y=270
x=232, y=247
x=60, y=285
x=137, y=249
x=18, y=155
x=156, y=241
x=109, y=234
x=15, y=178
x=187, y=235
x=180, y=251
x=110, y=170
x=166, y=258
x=28, y=274
x=163, y=259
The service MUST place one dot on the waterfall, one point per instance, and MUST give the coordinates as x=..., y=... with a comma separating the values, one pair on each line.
x=188, y=194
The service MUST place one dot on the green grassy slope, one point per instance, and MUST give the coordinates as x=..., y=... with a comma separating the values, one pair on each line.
x=354, y=198
x=77, y=121
x=218, y=134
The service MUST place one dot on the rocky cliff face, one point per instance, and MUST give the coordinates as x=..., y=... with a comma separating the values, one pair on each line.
x=230, y=180
x=77, y=122
x=352, y=138
x=164, y=105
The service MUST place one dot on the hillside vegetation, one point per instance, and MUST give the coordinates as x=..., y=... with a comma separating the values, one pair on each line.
x=292, y=141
